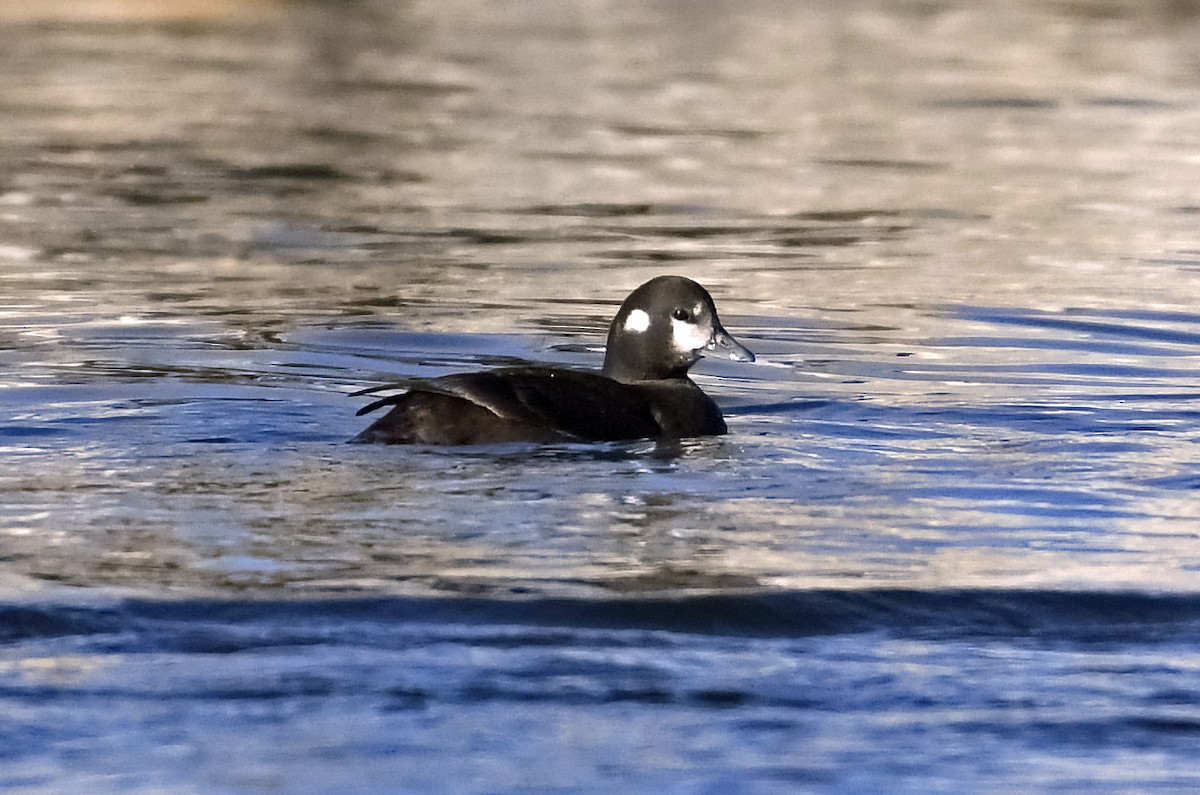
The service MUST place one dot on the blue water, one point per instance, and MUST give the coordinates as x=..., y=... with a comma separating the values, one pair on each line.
x=850, y=592
x=820, y=690
x=949, y=545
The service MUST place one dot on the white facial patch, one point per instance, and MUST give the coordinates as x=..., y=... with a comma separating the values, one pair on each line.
x=686, y=335
x=638, y=321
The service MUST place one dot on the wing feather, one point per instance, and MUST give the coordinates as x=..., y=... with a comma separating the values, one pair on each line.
x=573, y=403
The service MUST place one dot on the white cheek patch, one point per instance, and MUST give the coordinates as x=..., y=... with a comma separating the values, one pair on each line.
x=687, y=336
x=638, y=321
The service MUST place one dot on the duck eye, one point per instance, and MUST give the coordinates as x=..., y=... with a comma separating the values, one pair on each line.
x=681, y=314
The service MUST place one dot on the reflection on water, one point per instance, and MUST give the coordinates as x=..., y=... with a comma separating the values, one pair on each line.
x=958, y=481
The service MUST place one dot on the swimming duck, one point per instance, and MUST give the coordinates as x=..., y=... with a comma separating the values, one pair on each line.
x=643, y=391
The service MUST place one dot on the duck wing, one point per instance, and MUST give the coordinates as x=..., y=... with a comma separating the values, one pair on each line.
x=515, y=404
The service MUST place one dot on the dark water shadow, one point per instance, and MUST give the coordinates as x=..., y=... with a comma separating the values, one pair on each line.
x=216, y=625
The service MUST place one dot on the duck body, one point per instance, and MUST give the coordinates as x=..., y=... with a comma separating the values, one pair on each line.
x=543, y=405
x=643, y=392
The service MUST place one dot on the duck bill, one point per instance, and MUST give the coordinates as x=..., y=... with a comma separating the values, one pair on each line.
x=726, y=347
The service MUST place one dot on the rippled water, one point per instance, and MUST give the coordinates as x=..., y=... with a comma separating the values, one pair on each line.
x=950, y=544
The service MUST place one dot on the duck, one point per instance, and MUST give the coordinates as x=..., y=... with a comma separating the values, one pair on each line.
x=642, y=391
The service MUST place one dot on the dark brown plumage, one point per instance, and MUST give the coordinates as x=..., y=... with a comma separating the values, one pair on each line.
x=643, y=391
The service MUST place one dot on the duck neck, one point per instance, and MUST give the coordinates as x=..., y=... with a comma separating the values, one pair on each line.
x=625, y=360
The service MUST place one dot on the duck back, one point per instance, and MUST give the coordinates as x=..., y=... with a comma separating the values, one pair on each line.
x=541, y=405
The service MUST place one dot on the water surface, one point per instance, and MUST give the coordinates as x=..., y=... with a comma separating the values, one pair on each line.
x=950, y=543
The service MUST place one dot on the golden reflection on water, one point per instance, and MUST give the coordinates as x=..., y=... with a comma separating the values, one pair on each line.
x=962, y=237
x=136, y=11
